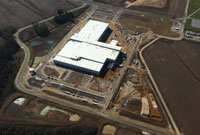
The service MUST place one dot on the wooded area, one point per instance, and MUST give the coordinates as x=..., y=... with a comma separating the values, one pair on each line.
x=8, y=65
x=46, y=130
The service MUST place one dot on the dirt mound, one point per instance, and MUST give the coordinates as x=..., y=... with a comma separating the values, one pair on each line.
x=150, y=3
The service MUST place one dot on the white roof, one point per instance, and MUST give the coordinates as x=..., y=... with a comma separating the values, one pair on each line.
x=93, y=30
x=112, y=45
x=83, y=50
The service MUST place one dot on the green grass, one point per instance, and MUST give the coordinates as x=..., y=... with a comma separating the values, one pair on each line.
x=196, y=15
x=193, y=5
x=188, y=26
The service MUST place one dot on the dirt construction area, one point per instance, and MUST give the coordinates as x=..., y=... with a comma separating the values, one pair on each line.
x=19, y=109
x=19, y=13
x=175, y=68
x=173, y=8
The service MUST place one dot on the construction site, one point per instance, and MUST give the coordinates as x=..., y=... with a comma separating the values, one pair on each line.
x=135, y=97
x=86, y=87
x=112, y=79
x=109, y=67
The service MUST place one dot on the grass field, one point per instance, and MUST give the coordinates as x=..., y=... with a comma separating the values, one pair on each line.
x=188, y=26
x=196, y=15
x=175, y=68
x=194, y=5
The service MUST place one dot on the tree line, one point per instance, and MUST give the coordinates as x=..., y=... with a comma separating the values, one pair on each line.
x=7, y=50
x=46, y=130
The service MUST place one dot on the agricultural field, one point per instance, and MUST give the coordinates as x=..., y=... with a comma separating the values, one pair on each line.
x=46, y=8
x=140, y=23
x=172, y=8
x=175, y=68
x=19, y=13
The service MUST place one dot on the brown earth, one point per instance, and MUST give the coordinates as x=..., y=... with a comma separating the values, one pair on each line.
x=148, y=3
x=173, y=8
x=133, y=22
x=52, y=118
x=46, y=8
x=30, y=111
x=51, y=72
x=125, y=131
x=19, y=13
x=56, y=116
x=175, y=68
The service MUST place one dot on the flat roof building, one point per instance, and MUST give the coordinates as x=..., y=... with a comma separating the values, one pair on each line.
x=85, y=53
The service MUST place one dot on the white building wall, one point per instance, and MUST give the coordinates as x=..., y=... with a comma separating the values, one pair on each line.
x=84, y=52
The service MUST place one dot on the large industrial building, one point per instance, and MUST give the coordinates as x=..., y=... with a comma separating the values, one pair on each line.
x=85, y=52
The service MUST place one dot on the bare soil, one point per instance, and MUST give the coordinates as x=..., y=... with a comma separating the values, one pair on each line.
x=51, y=72
x=75, y=78
x=148, y=3
x=56, y=119
x=125, y=131
x=19, y=13
x=63, y=75
x=173, y=8
x=175, y=68
x=133, y=22
x=46, y=8
x=30, y=111
x=56, y=116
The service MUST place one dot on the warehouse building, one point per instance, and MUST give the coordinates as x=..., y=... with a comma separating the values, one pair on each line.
x=84, y=51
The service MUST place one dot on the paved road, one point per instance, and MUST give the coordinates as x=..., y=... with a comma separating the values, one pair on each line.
x=107, y=115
